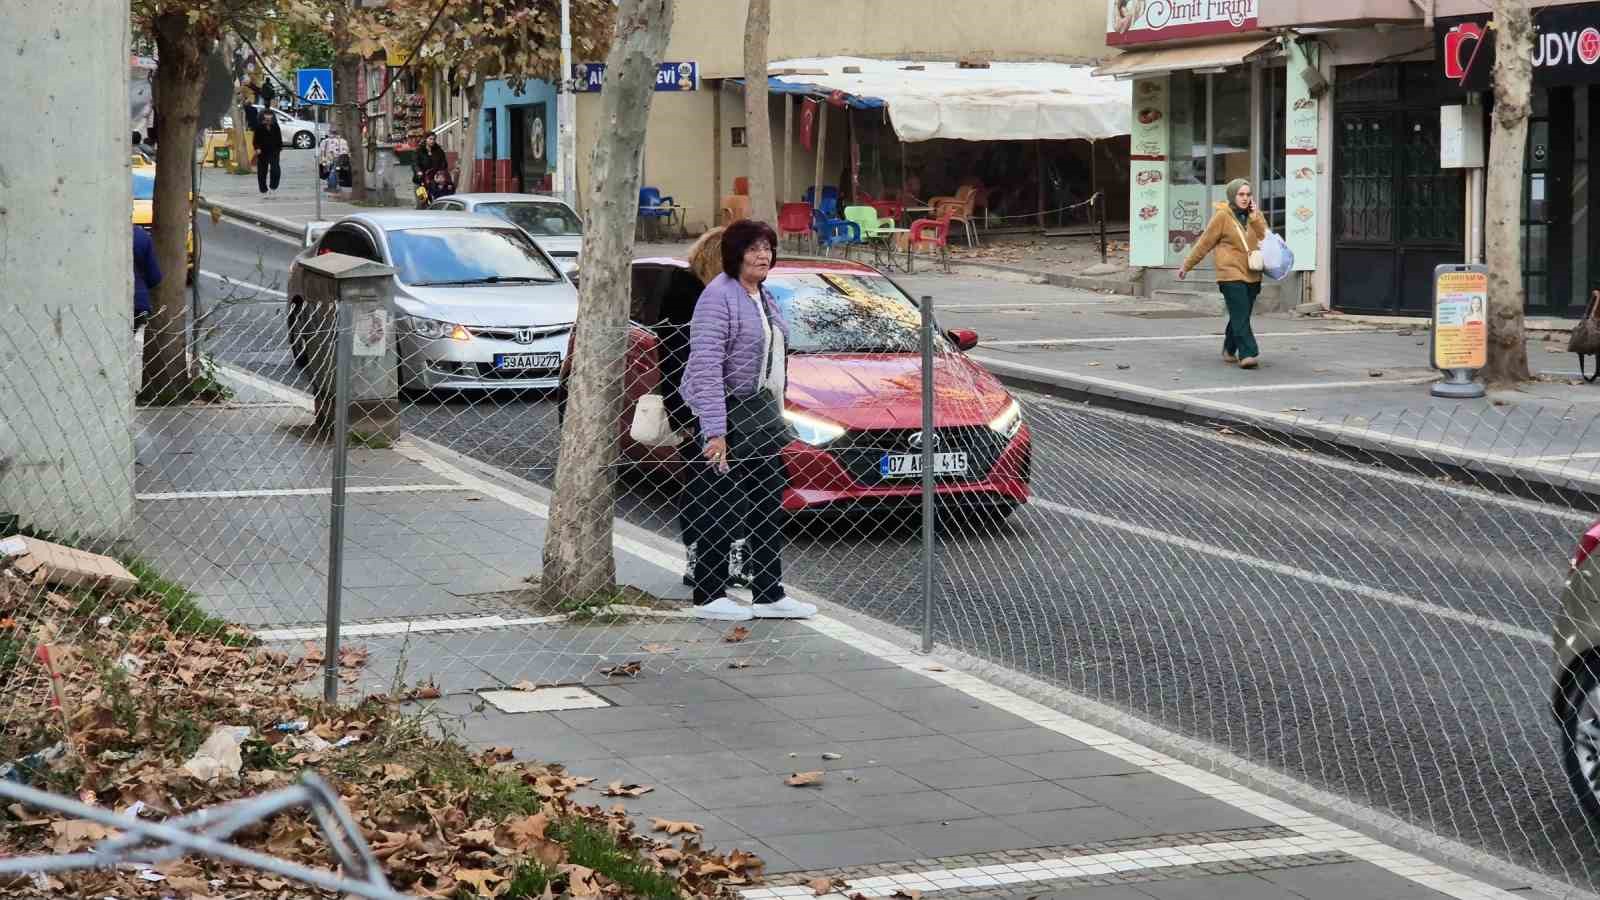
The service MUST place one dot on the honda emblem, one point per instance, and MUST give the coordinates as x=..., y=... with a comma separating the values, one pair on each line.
x=524, y=335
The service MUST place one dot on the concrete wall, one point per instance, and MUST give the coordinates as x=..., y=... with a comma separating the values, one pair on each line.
x=711, y=32
x=66, y=268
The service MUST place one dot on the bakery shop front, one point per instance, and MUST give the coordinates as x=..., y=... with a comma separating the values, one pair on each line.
x=1216, y=98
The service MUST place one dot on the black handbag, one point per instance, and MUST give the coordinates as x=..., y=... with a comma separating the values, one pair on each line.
x=756, y=426
x=1585, y=337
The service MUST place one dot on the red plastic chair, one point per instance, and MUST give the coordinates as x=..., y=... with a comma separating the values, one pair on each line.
x=889, y=209
x=794, y=221
x=741, y=186
x=936, y=232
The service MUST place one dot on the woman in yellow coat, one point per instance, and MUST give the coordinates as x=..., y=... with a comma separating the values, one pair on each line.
x=1235, y=230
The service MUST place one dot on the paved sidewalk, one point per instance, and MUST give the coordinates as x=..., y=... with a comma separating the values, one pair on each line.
x=932, y=779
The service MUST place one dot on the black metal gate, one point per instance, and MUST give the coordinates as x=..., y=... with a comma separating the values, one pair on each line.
x=1397, y=215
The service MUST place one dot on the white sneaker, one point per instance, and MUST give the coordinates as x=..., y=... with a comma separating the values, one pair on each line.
x=786, y=608
x=723, y=609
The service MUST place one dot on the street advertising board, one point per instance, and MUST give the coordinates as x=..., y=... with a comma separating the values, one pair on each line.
x=1144, y=21
x=588, y=78
x=1566, y=47
x=1460, y=327
x=1301, y=120
x=1147, y=178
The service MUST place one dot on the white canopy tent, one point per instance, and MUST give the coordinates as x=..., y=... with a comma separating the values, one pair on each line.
x=1004, y=102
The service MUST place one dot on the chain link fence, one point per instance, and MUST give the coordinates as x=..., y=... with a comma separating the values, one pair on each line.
x=1364, y=605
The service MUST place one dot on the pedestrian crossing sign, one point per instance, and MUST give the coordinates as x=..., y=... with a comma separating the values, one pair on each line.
x=315, y=86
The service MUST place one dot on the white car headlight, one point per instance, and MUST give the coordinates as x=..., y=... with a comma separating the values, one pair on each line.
x=815, y=432
x=1009, y=422
x=433, y=329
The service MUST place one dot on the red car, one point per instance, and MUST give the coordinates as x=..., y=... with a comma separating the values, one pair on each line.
x=855, y=389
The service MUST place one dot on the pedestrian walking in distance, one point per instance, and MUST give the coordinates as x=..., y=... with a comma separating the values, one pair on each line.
x=269, y=146
x=734, y=383
x=1235, y=231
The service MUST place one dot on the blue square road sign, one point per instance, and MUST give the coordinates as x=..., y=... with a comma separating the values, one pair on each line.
x=314, y=86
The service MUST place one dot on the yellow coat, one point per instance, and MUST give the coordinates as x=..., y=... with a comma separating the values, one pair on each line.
x=1233, y=257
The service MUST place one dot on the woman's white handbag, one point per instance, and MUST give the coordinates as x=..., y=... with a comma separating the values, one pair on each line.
x=651, y=426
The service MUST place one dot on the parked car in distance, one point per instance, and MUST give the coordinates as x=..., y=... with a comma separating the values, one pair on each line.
x=551, y=223
x=144, y=209
x=301, y=134
x=477, y=305
x=854, y=398
x=1575, y=697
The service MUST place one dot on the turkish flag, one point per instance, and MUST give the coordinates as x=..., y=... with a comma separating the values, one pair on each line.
x=808, y=123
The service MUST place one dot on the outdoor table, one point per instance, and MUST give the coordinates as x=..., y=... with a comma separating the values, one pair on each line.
x=915, y=209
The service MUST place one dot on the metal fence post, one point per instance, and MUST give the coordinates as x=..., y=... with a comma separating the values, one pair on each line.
x=1100, y=205
x=341, y=452
x=929, y=442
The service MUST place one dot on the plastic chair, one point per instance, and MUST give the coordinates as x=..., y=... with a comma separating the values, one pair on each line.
x=868, y=220
x=889, y=209
x=734, y=208
x=794, y=221
x=741, y=186
x=830, y=199
x=936, y=232
x=832, y=233
x=653, y=207
x=958, y=209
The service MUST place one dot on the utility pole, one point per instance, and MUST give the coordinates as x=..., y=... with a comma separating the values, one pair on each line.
x=567, y=114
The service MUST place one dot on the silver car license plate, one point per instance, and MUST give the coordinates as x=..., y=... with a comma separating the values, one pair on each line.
x=907, y=465
x=527, y=360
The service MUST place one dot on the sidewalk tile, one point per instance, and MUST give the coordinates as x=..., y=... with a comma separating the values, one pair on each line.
x=761, y=735
x=1343, y=881
x=968, y=773
x=837, y=704
x=725, y=712
x=1076, y=826
x=1019, y=741
x=1219, y=887
x=963, y=836
x=619, y=718
x=692, y=766
x=763, y=821
x=872, y=781
x=746, y=790
x=1073, y=764
x=1126, y=791
x=1004, y=799
x=866, y=728
x=1187, y=815
x=795, y=685
x=887, y=751
x=669, y=689
x=838, y=849
x=879, y=682
x=655, y=742
x=904, y=808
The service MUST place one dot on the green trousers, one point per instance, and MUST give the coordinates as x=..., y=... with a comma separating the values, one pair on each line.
x=1240, y=298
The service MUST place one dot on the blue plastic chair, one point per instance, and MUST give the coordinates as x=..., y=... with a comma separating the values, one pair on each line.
x=653, y=207
x=830, y=200
x=834, y=232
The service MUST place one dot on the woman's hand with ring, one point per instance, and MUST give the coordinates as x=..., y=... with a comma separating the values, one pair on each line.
x=717, y=453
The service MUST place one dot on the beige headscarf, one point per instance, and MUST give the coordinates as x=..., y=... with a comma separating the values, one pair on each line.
x=705, y=255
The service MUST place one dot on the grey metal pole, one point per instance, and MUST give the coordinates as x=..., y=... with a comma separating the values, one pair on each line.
x=566, y=115
x=929, y=442
x=341, y=453
x=318, y=169
x=194, y=230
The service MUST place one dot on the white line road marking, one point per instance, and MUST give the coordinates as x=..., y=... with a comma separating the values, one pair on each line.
x=1014, y=306
x=1339, y=584
x=1372, y=471
x=283, y=392
x=1309, y=386
x=1126, y=339
x=300, y=492
x=1087, y=866
x=260, y=288
x=1386, y=442
x=1561, y=456
x=654, y=549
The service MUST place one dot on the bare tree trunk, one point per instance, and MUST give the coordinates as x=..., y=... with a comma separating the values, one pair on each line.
x=469, y=135
x=578, y=561
x=180, y=79
x=1513, y=84
x=758, y=119
x=351, y=110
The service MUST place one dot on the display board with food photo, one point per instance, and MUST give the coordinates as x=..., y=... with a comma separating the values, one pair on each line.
x=1301, y=143
x=1147, y=175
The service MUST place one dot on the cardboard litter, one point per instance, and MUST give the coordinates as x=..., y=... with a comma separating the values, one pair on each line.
x=65, y=567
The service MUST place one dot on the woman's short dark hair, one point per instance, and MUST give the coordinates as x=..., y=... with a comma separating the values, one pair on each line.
x=739, y=237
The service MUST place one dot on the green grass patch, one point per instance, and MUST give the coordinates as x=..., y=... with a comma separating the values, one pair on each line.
x=592, y=846
x=183, y=614
x=528, y=882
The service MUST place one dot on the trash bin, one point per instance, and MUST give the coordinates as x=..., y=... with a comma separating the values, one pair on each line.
x=366, y=288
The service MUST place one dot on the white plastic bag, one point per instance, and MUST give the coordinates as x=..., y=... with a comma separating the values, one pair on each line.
x=1276, y=256
x=650, y=425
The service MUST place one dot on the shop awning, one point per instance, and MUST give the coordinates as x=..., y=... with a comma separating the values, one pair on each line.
x=1005, y=102
x=1182, y=59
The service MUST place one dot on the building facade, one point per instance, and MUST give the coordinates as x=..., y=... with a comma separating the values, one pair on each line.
x=516, y=135
x=694, y=149
x=1364, y=125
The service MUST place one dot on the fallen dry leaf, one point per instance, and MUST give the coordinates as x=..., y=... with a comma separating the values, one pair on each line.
x=671, y=827
x=482, y=880
x=937, y=669
x=741, y=663
x=526, y=685
x=803, y=779
x=626, y=670
x=618, y=789
x=394, y=772
x=668, y=856
x=736, y=634
x=820, y=886
x=528, y=830
x=832, y=756
x=658, y=648
x=907, y=894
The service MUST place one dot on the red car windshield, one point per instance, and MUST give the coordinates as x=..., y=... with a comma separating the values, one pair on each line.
x=848, y=313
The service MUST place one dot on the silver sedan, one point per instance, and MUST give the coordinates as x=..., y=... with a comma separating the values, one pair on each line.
x=479, y=305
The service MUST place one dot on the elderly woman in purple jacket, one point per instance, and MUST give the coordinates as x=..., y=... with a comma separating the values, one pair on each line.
x=734, y=384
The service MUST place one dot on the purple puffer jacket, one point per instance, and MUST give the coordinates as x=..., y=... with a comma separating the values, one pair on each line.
x=724, y=351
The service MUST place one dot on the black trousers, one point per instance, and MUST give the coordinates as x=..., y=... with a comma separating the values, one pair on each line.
x=268, y=162
x=745, y=502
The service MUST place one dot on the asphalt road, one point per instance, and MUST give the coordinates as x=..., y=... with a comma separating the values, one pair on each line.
x=1379, y=636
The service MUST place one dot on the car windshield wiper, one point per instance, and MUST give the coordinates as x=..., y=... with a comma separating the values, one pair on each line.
x=489, y=279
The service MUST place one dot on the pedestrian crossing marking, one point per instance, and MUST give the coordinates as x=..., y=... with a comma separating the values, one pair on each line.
x=315, y=93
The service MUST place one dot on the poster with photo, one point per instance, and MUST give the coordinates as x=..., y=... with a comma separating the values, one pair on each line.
x=1147, y=176
x=1301, y=160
